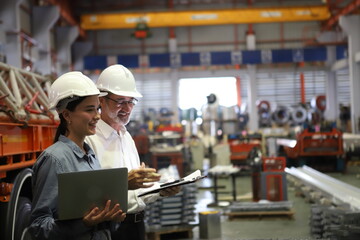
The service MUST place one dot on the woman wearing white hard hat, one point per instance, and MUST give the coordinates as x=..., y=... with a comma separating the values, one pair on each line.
x=76, y=99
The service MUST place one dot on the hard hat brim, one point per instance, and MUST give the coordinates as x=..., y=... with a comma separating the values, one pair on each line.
x=124, y=93
x=60, y=108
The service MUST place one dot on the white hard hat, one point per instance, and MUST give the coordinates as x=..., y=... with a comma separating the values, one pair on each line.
x=118, y=80
x=68, y=87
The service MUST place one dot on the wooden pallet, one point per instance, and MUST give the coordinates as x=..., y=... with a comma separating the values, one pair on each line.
x=170, y=232
x=353, y=163
x=260, y=214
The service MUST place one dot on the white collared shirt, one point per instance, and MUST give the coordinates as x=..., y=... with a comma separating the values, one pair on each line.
x=116, y=150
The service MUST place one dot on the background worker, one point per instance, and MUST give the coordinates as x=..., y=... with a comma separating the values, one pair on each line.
x=115, y=147
x=76, y=99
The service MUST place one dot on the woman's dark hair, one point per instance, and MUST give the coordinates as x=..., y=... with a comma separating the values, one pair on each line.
x=62, y=128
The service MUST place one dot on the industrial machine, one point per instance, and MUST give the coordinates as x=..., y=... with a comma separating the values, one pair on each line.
x=242, y=147
x=268, y=177
x=322, y=149
x=27, y=127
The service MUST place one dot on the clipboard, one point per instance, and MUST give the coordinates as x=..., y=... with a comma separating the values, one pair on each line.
x=191, y=178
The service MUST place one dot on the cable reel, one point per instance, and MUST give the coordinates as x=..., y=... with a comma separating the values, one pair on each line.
x=299, y=115
x=281, y=115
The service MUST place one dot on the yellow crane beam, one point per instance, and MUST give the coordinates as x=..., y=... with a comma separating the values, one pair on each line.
x=204, y=17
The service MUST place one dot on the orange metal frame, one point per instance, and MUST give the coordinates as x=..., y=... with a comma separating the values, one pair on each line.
x=240, y=151
x=20, y=145
x=274, y=164
x=274, y=186
x=317, y=144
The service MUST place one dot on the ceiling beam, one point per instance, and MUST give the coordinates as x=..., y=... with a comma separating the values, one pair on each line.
x=67, y=14
x=355, y=4
x=204, y=17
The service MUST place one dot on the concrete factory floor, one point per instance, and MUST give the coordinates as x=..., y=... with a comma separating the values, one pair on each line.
x=271, y=227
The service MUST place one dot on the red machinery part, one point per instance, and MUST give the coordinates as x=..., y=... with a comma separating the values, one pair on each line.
x=274, y=164
x=263, y=106
x=321, y=143
x=317, y=144
x=273, y=186
x=240, y=151
x=319, y=102
x=5, y=190
x=20, y=146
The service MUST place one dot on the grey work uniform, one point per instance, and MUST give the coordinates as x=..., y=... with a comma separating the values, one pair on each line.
x=63, y=156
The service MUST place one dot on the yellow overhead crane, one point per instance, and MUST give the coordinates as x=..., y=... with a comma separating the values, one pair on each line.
x=204, y=17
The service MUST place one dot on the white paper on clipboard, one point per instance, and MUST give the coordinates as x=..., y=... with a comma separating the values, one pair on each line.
x=191, y=178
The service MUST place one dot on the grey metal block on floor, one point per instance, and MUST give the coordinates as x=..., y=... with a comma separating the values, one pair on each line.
x=210, y=227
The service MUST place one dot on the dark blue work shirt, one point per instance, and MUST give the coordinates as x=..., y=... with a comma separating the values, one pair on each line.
x=61, y=157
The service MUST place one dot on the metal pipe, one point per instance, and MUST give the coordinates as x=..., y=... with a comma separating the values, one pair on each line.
x=14, y=166
x=7, y=67
x=4, y=87
x=26, y=91
x=39, y=88
x=238, y=90
x=40, y=99
x=355, y=4
x=43, y=100
x=8, y=102
x=15, y=88
x=340, y=192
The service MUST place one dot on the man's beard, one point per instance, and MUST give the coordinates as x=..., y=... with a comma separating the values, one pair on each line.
x=123, y=120
x=117, y=118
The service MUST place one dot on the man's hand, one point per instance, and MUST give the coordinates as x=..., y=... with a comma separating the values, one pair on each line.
x=137, y=177
x=168, y=192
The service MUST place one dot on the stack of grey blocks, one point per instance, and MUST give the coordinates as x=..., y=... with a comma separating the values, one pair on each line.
x=334, y=223
x=175, y=210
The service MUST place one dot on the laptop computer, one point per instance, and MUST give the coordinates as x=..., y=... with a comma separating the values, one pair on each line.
x=79, y=192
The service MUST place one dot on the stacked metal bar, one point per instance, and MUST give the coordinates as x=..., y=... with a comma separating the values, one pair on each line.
x=334, y=223
x=336, y=214
x=262, y=206
x=175, y=210
x=339, y=193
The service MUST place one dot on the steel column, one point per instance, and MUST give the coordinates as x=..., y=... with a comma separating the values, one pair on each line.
x=350, y=24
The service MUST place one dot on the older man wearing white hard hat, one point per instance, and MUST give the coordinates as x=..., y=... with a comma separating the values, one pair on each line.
x=115, y=147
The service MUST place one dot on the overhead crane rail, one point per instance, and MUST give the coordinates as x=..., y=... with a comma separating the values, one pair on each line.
x=204, y=17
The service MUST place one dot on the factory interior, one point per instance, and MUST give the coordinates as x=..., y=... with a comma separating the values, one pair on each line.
x=260, y=96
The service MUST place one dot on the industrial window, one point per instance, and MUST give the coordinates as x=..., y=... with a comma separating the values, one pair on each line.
x=283, y=88
x=193, y=92
x=279, y=88
x=343, y=86
x=157, y=95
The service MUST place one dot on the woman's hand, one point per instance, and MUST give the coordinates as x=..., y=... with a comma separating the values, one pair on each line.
x=96, y=216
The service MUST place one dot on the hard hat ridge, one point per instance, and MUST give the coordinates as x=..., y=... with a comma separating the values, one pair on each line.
x=118, y=80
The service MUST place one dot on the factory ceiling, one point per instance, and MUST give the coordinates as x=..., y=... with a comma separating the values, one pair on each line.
x=117, y=14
